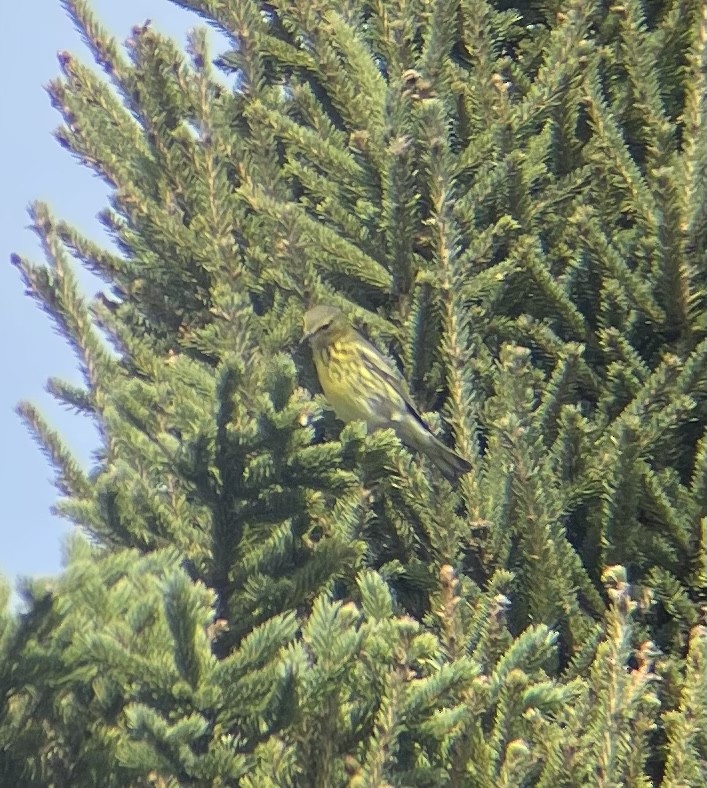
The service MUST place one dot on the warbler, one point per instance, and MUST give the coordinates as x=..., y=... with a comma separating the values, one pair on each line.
x=360, y=384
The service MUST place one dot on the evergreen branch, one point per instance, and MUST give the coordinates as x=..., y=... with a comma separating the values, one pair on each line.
x=657, y=501
x=345, y=72
x=657, y=414
x=694, y=148
x=675, y=599
x=644, y=101
x=57, y=292
x=391, y=32
x=184, y=611
x=531, y=649
x=74, y=396
x=678, y=281
x=104, y=48
x=438, y=33
x=634, y=286
x=558, y=389
x=326, y=151
x=70, y=479
x=110, y=267
x=483, y=250
x=550, y=344
x=399, y=198
x=323, y=199
x=698, y=480
x=686, y=726
x=98, y=130
x=387, y=729
x=343, y=256
x=608, y=155
x=444, y=234
x=259, y=648
x=518, y=764
x=88, y=515
x=529, y=254
x=566, y=53
x=614, y=738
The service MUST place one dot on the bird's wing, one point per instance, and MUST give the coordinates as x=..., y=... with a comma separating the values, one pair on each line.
x=379, y=366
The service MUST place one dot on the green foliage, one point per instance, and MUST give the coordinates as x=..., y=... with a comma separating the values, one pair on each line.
x=511, y=201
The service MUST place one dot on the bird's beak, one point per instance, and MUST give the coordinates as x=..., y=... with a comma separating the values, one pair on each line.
x=305, y=336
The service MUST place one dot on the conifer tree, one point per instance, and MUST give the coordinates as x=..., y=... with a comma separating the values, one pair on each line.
x=511, y=201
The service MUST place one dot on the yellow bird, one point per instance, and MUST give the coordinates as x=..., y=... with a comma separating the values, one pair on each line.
x=361, y=385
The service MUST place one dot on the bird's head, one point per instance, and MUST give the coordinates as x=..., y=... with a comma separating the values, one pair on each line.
x=322, y=324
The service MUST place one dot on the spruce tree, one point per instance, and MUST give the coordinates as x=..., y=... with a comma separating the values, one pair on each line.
x=511, y=201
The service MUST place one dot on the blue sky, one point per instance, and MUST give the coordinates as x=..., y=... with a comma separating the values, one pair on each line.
x=33, y=166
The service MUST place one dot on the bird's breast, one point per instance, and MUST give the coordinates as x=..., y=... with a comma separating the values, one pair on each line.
x=343, y=387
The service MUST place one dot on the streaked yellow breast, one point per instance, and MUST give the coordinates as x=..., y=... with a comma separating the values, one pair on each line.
x=346, y=390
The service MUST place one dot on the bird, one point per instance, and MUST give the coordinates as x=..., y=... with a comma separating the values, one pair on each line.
x=360, y=384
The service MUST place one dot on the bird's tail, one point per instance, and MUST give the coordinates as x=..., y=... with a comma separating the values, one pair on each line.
x=450, y=464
